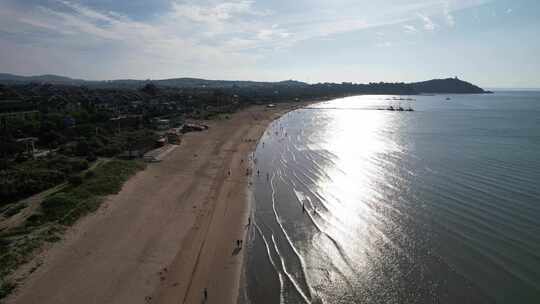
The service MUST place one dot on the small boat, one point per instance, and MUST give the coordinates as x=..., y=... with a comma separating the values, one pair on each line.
x=447, y=98
x=409, y=109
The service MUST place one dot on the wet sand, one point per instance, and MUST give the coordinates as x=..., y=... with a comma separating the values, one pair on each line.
x=169, y=233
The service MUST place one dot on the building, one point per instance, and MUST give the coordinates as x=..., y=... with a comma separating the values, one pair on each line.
x=162, y=124
x=126, y=121
x=174, y=136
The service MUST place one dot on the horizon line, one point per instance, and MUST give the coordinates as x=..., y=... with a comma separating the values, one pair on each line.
x=486, y=87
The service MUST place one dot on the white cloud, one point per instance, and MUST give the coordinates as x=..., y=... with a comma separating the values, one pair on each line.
x=215, y=13
x=429, y=25
x=174, y=42
x=195, y=37
x=273, y=33
x=448, y=16
x=411, y=29
x=384, y=44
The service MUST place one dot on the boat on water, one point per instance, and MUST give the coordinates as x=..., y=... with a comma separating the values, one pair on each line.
x=409, y=108
x=447, y=98
x=398, y=108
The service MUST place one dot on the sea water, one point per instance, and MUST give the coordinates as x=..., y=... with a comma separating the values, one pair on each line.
x=357, y=204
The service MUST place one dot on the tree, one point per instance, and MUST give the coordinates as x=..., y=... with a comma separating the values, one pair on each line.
x=150, y=89
x=82, y=148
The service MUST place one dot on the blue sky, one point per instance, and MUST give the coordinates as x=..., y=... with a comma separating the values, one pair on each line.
x=493, y=43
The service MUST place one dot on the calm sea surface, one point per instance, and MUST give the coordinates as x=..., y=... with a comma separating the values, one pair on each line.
x=439, y=205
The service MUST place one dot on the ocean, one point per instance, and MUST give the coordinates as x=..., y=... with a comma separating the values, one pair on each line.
x=352, y=204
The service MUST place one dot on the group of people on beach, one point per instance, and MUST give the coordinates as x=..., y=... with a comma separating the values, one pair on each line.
x=239, y=245
x=240, y=242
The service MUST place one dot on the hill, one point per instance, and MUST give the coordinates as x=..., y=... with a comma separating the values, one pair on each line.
x=134, y=83
x=52, y=79
x=435, y=86
x=447, y=85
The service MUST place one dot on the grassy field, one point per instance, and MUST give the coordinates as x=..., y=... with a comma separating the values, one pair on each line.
x=59, y=210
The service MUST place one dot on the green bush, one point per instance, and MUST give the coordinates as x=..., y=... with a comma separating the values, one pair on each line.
x=75, y=180
x=91, y=157
x=35, y=219
x=57, y=205
x=19, y=183
x=6, y=288
x=89, y=174
x=109, y=150
x=14, y=209
x=33, y=176
x=77, y=165
x=110, y=176
x=67, y=165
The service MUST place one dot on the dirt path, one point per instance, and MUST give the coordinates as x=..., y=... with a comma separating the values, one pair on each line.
x=168, y=234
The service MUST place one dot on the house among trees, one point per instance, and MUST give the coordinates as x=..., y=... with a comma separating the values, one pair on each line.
x=161, y=124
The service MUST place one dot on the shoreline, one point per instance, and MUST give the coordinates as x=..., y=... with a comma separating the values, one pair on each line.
x=241, y=291
x=226, y=285
x=169, y=233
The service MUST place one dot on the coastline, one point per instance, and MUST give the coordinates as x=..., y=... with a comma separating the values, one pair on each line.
x=241, y=296
x=169, y=233
x=219, y=266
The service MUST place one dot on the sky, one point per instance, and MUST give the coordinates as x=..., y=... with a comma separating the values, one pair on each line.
x=492, y=43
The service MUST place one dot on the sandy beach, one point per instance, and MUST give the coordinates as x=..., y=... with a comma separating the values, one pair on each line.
x=169, y=234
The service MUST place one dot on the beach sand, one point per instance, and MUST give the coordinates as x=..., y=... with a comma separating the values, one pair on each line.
x=170, y=233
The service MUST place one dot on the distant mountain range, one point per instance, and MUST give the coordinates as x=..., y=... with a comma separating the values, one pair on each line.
x=435, y=86
x=52, y=79
x=134, y=83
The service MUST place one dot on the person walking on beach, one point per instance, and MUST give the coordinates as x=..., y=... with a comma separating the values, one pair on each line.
x=205, y=294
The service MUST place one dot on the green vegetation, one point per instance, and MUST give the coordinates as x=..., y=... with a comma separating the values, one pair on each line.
x=22, y=179
x=6, y=288
x=58, y=211
x=85, y=195
x=34, y=176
